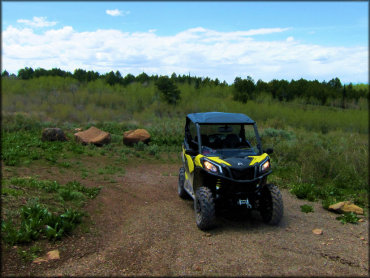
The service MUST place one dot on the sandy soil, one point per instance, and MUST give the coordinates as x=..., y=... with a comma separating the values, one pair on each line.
x=141, y=227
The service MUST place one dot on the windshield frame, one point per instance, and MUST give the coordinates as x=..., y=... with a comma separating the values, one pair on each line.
x=198, y=127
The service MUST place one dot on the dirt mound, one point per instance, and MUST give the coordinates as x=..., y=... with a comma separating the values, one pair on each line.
x=53, y=134
x=135, y=136
x=93, y=135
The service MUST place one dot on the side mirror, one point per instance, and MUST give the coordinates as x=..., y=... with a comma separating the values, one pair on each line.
x=269, y=151
x=191, y=152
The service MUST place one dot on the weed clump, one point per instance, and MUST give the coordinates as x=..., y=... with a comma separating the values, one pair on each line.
x=348, y=217
x=306, y=208
x=304, y=191
x=37, y=221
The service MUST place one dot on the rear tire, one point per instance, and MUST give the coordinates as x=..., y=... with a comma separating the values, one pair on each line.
x=204, y=206
x=271, y=204
x=180, y=187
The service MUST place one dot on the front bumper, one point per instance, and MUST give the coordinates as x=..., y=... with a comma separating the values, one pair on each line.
x=229, y=186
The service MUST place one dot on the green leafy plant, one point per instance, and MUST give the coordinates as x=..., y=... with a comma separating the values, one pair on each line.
x=140, y=146
x=153, y=150
x=37, y=221
x=68, y=195
x=348, y=217
x=306, y=208
x=304, y=191
x=91, y=192
x=30, y=254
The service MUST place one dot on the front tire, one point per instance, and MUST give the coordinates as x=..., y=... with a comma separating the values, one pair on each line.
x=180, y=187
x=271, y=204
x=204, y=206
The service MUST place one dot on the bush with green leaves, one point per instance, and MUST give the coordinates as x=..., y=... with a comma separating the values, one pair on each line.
x=348, y=217
x=304, y=191
x=153, y=149
x=306, y=208
x=36, y=221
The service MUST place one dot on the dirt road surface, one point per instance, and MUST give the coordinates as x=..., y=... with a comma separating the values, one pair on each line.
x=141, y=227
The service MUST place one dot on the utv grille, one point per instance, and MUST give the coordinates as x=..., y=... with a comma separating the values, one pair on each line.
x=243, y=174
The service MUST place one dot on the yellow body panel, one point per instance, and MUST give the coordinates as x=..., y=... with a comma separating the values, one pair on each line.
x=190, y=163
x=212, y=158
x=219, y=160
x=257, y=158
x=197, y=160
x=188, y=160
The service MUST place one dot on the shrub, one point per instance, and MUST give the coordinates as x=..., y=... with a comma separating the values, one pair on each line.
x=153, y=149
x=306, y=208
x=348, y=217
x=304, y=191
x=139, y=146
x=36, y=220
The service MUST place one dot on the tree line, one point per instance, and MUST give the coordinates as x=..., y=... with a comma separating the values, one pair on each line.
x=283, y=90
x=243, y=89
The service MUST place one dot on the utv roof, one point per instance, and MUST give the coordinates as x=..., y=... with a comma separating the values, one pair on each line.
x=219, y=118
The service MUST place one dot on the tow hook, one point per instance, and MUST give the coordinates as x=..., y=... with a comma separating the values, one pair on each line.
x=244, y=202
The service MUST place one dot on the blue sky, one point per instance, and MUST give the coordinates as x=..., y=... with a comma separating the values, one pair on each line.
x=313, y=40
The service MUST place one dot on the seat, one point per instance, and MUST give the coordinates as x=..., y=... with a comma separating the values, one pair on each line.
x=204, y=138
x=231, y=141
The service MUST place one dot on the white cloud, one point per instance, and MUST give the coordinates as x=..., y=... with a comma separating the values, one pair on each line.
x=200, y=51
x=117, y=12
x=37, y=22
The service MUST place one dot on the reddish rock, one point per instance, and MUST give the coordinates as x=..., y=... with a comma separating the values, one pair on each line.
x=93, y=135
x=135, y=136
x=53, y=134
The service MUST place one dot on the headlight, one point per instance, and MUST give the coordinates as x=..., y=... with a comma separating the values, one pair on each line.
x=209, y=166
x=265, y=166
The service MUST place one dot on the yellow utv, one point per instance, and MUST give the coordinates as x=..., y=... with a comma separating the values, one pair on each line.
x=223, y=163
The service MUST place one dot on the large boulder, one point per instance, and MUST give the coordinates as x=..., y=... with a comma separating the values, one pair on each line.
x=53, y=134
x=135, y=136
x=94, y=136
x=347, y=206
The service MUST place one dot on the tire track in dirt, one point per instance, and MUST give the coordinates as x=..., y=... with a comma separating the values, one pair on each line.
x=144, y=228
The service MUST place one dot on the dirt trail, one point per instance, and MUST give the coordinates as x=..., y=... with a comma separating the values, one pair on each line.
x=143, y=228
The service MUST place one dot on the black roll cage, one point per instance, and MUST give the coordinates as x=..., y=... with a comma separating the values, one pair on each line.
x=197, y=125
